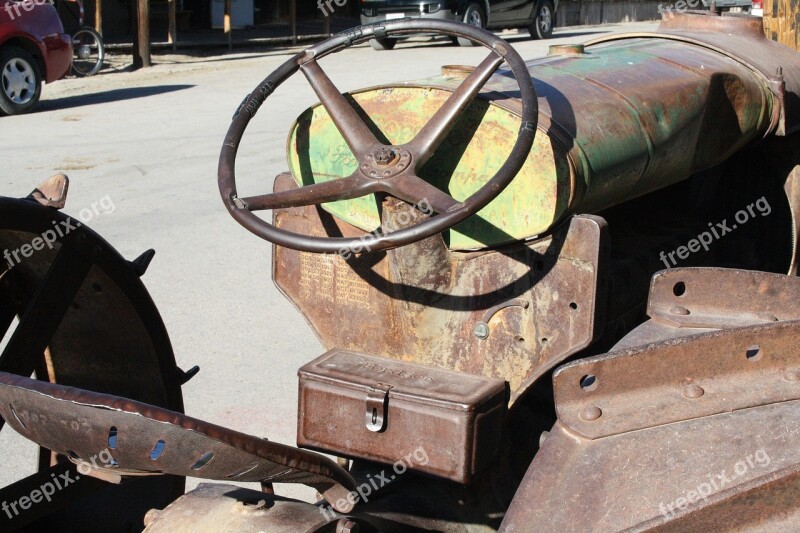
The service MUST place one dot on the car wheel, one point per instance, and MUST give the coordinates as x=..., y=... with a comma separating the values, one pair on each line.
x=542, y=27
x=382, y=44
x=473, y=16
x=20, y=81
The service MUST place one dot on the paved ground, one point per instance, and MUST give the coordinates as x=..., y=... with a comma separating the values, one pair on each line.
x=150, y=140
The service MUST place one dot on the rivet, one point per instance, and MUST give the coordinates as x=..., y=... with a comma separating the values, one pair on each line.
x=679, y=310
x=693, y=391
x=591, y=413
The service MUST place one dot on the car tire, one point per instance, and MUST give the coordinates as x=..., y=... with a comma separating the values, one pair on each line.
x=382, y=44
x=474, y=16
x=542, y=27
x=20, y=81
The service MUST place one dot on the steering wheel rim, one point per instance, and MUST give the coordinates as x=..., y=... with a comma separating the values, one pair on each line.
x=381, y=168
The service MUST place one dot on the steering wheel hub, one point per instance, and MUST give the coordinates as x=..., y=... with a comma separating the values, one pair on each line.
x=386, y=162
x=385, y=156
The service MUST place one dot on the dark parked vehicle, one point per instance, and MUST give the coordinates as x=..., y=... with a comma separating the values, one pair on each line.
x=538, y=16
x=33, y=49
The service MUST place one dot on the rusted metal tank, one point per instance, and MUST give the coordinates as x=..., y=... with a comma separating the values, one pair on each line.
x=619, y=117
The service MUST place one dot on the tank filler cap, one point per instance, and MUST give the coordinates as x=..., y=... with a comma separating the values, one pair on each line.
x=566, y=50
x=456, y=72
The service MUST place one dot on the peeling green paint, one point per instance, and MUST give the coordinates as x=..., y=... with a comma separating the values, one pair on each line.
x=472, y=153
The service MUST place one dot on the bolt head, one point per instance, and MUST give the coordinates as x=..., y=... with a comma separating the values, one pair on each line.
x=693, y=391
x=591, y=413
x=385, y=155
x=481, y=330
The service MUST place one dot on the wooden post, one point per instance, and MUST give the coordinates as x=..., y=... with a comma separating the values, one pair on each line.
x=780, y=22
x=172, y=36
x=293, y=18
x=227, y=24
x=98, y=16
x=141, y=52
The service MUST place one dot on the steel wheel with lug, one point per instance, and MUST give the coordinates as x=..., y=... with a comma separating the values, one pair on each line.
x=20, y=79
x=85, y=320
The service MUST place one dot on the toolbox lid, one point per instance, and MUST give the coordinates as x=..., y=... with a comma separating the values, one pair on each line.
x=409, y=381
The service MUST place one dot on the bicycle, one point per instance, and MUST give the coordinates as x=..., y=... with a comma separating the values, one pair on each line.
x=87, y=44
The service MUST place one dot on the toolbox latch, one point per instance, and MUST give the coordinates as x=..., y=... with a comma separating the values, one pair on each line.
x=377, y=402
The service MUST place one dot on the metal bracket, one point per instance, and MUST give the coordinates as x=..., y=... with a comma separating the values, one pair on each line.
x=377, y=404
x=695, y=376
x=675, y=380
x=720, y=298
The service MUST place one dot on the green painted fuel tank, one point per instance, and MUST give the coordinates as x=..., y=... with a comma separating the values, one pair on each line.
x=617, y=120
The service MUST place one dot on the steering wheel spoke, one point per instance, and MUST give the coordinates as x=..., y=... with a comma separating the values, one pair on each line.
x=422, y=194
x=355, y=132
x=354, y=186
x=433, y=133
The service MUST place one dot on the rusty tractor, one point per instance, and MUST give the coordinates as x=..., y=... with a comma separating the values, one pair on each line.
x=582, y=272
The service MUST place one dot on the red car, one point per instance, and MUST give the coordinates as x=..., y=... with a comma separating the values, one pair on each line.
x=33, y=49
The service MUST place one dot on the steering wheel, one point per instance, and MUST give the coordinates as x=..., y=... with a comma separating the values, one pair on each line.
x=381, y=168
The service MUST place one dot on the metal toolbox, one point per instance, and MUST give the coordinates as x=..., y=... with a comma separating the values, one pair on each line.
x=441, y=422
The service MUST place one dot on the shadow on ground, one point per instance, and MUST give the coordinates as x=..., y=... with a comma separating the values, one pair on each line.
x=114, y=95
